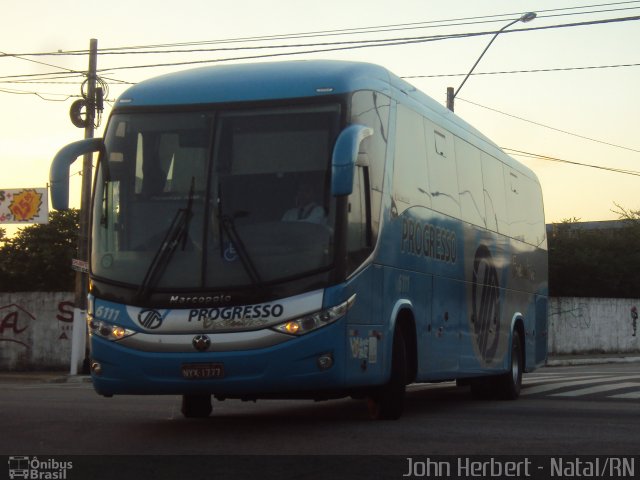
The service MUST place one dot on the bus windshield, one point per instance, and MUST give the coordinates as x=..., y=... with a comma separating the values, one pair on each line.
x=215, y=199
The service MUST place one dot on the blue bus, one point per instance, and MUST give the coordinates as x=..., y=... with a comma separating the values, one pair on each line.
x=306, y=229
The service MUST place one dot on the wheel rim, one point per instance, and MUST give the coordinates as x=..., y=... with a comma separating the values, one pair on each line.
x=515, y=365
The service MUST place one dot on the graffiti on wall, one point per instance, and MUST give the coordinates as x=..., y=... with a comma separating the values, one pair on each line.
x=14, y=322
x=578, y=317
x=634, y=320
x=36, y=330
x=65, y=319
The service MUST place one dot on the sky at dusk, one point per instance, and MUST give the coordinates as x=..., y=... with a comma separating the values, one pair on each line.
x=561, y=96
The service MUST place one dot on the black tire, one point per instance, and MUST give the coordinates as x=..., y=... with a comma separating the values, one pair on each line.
x=387, y=402
x=196, y=406
x=510, y=384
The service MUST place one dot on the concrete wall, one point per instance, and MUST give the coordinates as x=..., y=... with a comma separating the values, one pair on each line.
x=592, y=325
x=36, y=329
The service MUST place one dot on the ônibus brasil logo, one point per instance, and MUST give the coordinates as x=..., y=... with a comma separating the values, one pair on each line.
x=38, y=469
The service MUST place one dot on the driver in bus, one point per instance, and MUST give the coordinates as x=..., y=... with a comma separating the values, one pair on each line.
x=307, y=208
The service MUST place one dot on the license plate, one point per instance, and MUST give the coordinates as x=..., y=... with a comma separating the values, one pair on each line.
x=198, y=371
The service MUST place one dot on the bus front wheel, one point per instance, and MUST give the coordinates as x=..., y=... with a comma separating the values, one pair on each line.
x=196, y=406
x=387, y=402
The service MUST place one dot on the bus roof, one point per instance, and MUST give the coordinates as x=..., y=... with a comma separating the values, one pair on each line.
x=256, y=81
x=297, y=79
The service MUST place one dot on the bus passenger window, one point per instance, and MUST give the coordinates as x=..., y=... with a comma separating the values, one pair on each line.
x=411, y=182
x=494, y=194
x=470, y=183
x=443, y=174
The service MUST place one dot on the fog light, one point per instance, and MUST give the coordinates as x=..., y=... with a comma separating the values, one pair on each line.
x=96, y=368
x=325, y=362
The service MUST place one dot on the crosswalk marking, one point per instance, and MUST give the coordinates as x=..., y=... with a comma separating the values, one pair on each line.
x=548, y=387
x=628, y=395
x=597, y=389
x=563, y=385
x=556, y=378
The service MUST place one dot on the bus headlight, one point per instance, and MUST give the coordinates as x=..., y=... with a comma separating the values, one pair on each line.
x=313, y=321
x=108, y=331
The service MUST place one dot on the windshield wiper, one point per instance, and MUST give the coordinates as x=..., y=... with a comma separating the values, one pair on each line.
x=177, y=232
x=228, y=226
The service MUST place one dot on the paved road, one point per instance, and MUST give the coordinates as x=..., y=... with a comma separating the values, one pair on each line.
x=593, y=382
x=575, y=410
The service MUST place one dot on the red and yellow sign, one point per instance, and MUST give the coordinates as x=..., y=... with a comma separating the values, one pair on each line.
x=28, y=205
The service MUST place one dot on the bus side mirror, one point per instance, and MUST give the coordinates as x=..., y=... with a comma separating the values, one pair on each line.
x=59, y=172
x=345, y=156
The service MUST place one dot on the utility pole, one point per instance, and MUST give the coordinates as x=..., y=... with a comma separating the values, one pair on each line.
x=79, y=350
x=450, y=98
x=451, y=93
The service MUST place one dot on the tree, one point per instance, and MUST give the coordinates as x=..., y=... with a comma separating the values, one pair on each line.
x=38, y=257
x=595, y=263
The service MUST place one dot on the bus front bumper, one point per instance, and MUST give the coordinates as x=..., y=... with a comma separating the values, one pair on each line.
x=306, y=366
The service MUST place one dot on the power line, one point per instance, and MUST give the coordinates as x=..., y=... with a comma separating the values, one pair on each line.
x=338, y=46
x=21, y=57
x=553, y=128
x=47, y=75
x=162, y=49
x=39, y=82
x=407, y=77
x=40, y=95
x=379, y=43
x=358, y=30
x=536, y=156
x=535, y=70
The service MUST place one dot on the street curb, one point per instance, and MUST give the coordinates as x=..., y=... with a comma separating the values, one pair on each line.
x=42, y=377
x=72, y=379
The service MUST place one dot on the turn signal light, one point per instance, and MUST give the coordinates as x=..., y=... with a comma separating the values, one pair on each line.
x=317, y=320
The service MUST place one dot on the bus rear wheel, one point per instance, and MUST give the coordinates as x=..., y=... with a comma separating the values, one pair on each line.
x=196, y=406
x=510, y=383
x=506, y=386
x=387, y=402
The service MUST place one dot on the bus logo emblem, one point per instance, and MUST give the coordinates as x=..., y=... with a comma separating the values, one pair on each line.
x=201, y=343
x=485, y=304
x=150, y=319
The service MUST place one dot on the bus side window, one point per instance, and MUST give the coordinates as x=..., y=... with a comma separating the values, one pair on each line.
x=443, y=174
x=524, y=206
x=410, y=175
x=470, y=183
x=494, y=194
x=516, y=199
